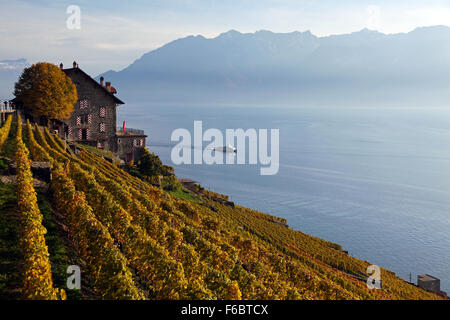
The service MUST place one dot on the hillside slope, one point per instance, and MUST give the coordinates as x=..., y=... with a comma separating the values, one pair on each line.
x=135, y=241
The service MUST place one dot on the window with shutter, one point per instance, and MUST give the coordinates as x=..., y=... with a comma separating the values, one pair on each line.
x=102, y=127
x=84, y=104
x=102, y=112
x=84, y=119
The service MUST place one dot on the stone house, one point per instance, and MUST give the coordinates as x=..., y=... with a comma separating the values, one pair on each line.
x=94, y=119
x=130, y=143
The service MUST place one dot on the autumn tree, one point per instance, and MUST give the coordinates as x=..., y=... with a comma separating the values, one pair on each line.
x=171, y=183
x=150, y=164
x=46, y=91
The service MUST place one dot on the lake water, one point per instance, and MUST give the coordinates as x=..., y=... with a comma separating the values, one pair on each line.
x=376, y=181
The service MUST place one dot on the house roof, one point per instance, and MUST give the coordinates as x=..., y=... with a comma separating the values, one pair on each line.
x=427, y=277
x=122, y=134
x=71, y=71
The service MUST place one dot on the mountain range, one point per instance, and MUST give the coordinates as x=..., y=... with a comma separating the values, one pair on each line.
x=362, y=68
x=10, y=71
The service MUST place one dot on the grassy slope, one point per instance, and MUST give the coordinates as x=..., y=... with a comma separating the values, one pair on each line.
x=11, y=258
x=61, y=254
x=184, y=194
x=10, y=275
x=8, y=148
x=99, y=152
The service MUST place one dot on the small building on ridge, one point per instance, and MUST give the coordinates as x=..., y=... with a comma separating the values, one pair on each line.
x=429, y=283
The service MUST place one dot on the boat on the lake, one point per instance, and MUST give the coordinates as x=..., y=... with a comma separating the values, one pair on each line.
x=228, y=148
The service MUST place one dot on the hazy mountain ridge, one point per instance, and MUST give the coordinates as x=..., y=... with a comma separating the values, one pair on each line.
x=10, y=71
x=264, y=67
x=18, y=64
x=364, y=67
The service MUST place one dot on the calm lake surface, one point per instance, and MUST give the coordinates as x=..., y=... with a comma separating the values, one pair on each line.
x=376, y=181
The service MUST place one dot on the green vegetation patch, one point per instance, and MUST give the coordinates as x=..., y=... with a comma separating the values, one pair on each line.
x=11, y=257
x=9, y=148
x=59, y=253
x=4, y=164
x=183, y=194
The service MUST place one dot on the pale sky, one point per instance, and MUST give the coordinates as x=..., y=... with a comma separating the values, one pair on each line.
x=114, y=33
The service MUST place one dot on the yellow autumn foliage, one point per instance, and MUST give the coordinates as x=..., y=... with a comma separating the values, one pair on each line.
x=37, y=278
x=4, y=131
x=204, y=249
x=46, y=91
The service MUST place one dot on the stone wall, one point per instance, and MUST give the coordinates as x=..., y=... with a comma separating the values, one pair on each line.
x=86, y=121
x=129, y=147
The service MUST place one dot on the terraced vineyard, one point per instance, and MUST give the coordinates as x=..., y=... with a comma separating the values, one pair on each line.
x=135, y=241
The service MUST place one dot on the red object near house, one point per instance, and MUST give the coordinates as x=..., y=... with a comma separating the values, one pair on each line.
x=124, y=126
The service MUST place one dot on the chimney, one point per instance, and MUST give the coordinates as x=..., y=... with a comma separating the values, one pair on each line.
x=101, y=81
x=61, y=66
x=123, y=129
x=108, y=86
x=75, y=64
